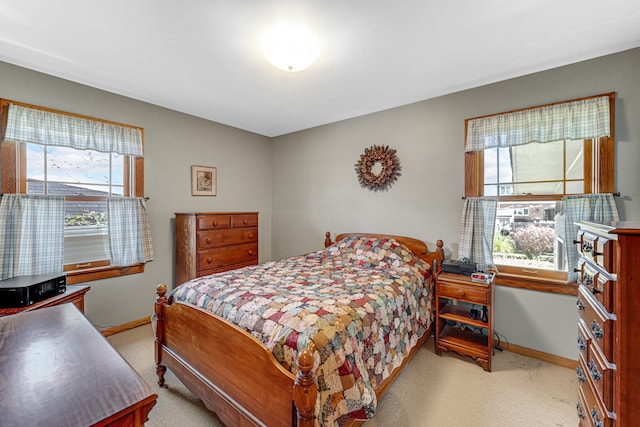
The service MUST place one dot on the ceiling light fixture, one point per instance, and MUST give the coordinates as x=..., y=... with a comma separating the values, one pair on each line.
x=290, y=47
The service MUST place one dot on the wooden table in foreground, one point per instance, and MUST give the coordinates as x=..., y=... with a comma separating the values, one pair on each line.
x=56, y=369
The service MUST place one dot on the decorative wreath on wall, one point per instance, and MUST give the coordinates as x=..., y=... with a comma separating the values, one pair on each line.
x=378, y=168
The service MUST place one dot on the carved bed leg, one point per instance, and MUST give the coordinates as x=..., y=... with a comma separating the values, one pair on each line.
x=305, y=390
x=161, y=302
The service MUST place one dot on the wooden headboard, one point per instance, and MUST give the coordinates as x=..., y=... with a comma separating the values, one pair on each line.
x=416, y=246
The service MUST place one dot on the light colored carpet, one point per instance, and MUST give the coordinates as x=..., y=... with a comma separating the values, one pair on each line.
x=447, y=391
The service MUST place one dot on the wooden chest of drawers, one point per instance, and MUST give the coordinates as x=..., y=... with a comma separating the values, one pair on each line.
x=609, y=325
x=211, y=242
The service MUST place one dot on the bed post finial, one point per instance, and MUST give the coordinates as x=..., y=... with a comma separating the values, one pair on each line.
x=305, y=389
x=327, y=239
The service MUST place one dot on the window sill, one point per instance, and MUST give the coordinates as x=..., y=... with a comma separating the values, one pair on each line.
x=554, y=286
x=89, y=275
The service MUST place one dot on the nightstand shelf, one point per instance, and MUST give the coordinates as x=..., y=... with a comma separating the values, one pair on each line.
x=459, y=314
x=456, y=330
x=462, y=337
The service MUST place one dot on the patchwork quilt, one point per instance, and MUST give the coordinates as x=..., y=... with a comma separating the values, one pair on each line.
x=361, y=304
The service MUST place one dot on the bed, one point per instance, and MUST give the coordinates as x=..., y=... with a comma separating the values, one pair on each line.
x=310, y=340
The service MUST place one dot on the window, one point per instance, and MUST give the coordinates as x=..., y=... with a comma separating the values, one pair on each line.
x=528, y=180
x=87, y=178
x=551, y=168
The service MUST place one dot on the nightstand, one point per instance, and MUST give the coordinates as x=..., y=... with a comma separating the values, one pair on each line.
x=464, y=317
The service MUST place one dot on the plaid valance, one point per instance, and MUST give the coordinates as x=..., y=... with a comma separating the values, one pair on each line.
x=31, y=125
x=581, y=119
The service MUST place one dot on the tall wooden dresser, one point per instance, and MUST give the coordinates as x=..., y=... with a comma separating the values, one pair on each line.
x=609, y=325
x=211, y=242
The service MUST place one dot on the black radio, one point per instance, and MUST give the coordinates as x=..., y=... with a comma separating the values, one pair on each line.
x=459, y=267
x=22, y=291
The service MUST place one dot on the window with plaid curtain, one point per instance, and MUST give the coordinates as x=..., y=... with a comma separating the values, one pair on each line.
x=530, y=160
x=96, y=166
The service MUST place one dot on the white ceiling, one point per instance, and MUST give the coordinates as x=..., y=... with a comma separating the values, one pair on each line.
x=202, y=57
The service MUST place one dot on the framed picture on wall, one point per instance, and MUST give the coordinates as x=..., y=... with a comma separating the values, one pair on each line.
x=203, y=181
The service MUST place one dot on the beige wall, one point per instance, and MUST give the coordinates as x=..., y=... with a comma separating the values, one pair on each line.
x=173, y=142
x=315, y=187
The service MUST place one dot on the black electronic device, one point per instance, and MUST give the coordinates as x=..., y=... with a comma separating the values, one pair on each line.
x=23, y=291
x=459, y=267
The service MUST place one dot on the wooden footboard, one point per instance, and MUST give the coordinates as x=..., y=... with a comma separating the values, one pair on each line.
x=233, y=373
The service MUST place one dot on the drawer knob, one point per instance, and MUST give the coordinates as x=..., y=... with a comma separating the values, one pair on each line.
x=581, y=344
x=576, y=242
x=208, y=240
x=594, y=372
x=580, y=410
x=214, y=223
x=461, y=293
x=250, y=253
x=597, y=330
x=208, y=260
x=580, y=375
x=579, y=304
x=577, y=270
x=595, y=417
x=595, y=291
x=251, y=236
x=245, y=221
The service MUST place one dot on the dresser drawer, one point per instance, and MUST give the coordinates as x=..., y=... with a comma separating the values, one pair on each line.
x=581, y=409
x=599, y=284
x=203, y=273
x=581, y=372
x=597, y=248
x=232, y=236
x=599, y=322
x=601, y=372
x=222, y=257
x=244, y=221
x=213, y=222
x=468, y=293
x=593, y=412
